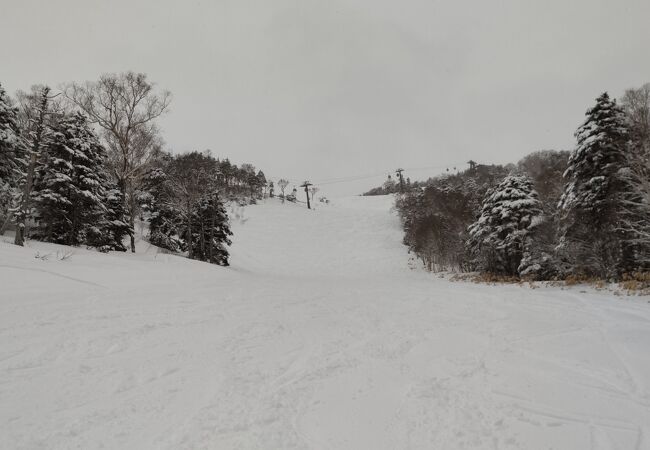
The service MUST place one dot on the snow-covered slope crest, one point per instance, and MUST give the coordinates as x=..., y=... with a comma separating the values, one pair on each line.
x=318, y=336
x=350, y=237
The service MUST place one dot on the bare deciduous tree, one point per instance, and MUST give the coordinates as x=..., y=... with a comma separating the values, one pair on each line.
x=282, y=183
x=125, y=107
x=636, y=104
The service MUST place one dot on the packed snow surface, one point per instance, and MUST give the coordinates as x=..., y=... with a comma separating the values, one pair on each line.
x=319, y=336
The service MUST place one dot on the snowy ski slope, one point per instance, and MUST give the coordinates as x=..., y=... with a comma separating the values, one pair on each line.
x=319, y=336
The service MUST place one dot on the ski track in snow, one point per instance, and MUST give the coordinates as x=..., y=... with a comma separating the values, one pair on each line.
x=319, y=336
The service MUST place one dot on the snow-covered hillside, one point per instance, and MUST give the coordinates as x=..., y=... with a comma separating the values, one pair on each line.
x=319, y=336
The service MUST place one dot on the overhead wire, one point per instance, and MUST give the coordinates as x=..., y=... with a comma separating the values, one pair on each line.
x=347, y=179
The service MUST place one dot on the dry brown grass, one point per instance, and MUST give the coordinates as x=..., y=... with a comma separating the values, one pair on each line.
x=488, y=278
x=573, y=280
x=636, y=283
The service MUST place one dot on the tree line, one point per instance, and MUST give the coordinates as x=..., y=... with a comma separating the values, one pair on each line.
x=554, y=214
x=80, y=166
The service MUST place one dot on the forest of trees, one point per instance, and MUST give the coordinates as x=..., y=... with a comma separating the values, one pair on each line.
x=80, y=166
x=553, y=215
x=183, y=196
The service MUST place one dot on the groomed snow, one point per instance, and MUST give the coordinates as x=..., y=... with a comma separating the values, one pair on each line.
x=319, y=336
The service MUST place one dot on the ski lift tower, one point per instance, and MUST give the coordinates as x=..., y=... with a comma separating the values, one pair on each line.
x=306, y=185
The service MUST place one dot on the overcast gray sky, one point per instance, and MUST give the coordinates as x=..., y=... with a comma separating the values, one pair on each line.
x=318, y=90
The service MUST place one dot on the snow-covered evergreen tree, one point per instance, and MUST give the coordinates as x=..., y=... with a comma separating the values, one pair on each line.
x=538, y=261
x=11, y=155
x=164, y=219
x=260, y=183
x=70, y=194
x=211, y=231
x=498, y=239
x=117, y=220
x=601, y=198
x=10, y=142
x=113, y=226
x=37, y=135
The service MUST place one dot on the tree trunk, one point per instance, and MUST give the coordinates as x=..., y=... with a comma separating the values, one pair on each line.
x=20, y=234
x=190, y=252
x=211, y=236
x=203, y=253
x=21, y=228
x=132, y=212
x=132, y=224
x=129, y=205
